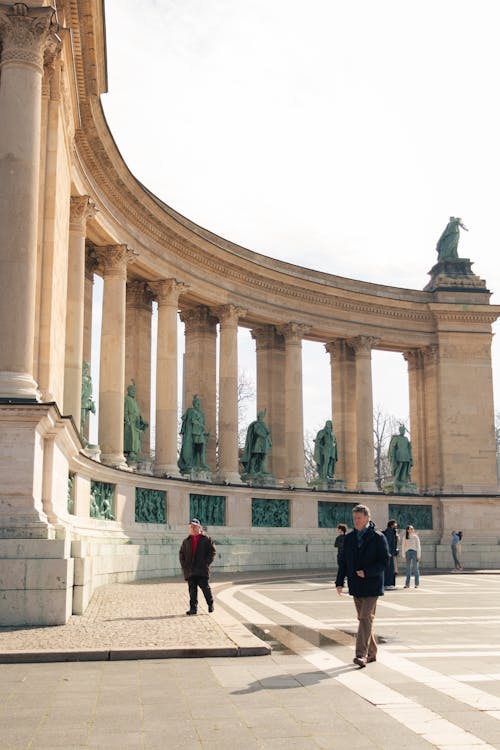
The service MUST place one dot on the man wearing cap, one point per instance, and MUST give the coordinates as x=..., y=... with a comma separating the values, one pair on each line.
x=196, y=554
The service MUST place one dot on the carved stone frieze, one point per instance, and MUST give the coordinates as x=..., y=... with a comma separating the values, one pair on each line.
x=26, y=34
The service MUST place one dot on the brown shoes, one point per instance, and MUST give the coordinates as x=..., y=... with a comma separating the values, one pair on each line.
x=361, y=661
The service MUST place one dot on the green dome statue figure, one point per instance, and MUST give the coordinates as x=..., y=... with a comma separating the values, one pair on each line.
x=257, y=445
x=134, y=425
x=448, y=242
x=326, y=452
x=194, y=439
x=400, y=457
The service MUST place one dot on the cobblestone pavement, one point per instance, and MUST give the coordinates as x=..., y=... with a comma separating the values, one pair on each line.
x=126, y=617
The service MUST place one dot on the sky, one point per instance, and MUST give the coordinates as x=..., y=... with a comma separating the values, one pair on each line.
x=335, y=135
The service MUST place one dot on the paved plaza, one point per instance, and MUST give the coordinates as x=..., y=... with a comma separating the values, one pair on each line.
x=436, y=683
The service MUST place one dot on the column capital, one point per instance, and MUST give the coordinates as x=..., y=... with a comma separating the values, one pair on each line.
x=413, y=357
x=168, y=291
x=229, y=315
x=293, y=332
x=431, y=354
x=139, y=294
x=81, y=209
x=197, y=319
x=337, y=349
x=26, y=34
x=113, y=260
x=363, y=345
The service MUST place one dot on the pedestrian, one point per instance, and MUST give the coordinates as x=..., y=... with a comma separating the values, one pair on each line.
x=196, y=554
x=411, y=551
x=339, y=540
x=456, y=538
x=363, y=561
x=391, y=534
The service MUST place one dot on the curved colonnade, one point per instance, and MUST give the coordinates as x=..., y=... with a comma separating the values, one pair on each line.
x=70, y=208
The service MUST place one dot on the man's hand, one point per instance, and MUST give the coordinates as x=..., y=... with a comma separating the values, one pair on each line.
x=360, y=573
x=339, y=590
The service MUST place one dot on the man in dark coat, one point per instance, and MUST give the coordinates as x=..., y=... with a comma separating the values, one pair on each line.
x=363, y=561
x=196, y=554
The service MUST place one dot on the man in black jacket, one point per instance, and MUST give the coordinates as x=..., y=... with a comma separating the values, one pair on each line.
x=196, y=554
x=363, y=561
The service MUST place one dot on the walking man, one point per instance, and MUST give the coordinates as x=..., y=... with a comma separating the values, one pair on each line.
x=196, y=554
x=364, y=560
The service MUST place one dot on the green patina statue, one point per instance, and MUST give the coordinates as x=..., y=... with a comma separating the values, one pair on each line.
x=326, y=452
x=448, y=242
x=257, y=445
x=87, y=402
x=194, y=439
x=134, y=425
x=400, y=457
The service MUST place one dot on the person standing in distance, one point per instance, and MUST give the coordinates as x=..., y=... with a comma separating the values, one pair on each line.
x=196, y=554
x=363, y=561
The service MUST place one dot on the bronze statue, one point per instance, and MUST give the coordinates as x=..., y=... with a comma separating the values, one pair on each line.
x=194, y=439
x=87, y=402
x=325, y=452
x=400, y=457
x=448, y=242
x=134, y=425
x=257, y=445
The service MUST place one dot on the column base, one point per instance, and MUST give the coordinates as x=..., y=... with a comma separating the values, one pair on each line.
x=18, y=386
x=115, y=460
x=229, y=477
x=367, y=487
x=166, y=471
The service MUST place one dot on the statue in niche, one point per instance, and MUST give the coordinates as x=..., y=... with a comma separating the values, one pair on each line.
x=400, y=457
x=448, y=242
x=87, y=402
x=194, y=439
x=257, y=445
x=326, y=452
x=134, y=425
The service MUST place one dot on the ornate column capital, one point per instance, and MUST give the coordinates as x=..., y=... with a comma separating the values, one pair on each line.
x=81, y=209
x=337, y=349
x=229, y=315
x=139, y=294
x=26, y=34
x=113, y=260
x=363, y=345
x=293, y=332
x=431, y=354
x=197, y=319
x=413, y=357
x=168, y=291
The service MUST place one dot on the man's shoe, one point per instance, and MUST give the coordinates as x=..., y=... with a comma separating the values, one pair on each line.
x=371, y=659
x=210, y=607
x=361, y=661
x=191, y=612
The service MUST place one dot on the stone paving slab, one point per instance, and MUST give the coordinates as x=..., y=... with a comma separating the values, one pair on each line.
x=136, y=620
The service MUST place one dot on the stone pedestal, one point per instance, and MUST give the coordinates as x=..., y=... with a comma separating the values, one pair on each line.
x=259, y=480
x=455, y=275
x=396, y=488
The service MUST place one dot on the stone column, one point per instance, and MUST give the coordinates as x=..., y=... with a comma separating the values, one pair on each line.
x=25, y=35
x=167, y=293
x=362, y=346
x=415, y=360
x=343, y=409
x=113, y=261
x=81, y=209
x=294, y=411
x=200, y=369
x=228, y=316
x=90, y=267
x=138, y=351
x=270, y=354
x=432, y=449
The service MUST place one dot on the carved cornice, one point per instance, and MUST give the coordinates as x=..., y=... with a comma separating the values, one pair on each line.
x=26, y=34
x=168, y=291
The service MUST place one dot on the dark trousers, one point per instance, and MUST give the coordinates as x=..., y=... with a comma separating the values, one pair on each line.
x=390, y=573
x=202, y=582
x=365, y=641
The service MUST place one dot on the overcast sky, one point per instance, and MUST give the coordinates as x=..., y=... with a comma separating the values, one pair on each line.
x=335, y=135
